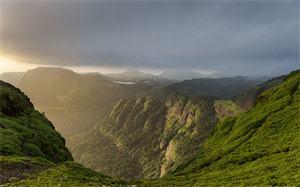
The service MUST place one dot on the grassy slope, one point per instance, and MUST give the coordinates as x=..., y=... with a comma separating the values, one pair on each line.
x=32, y=151
x=26, y=132
x=258, y=147
x=67, y=174
x=14, y=168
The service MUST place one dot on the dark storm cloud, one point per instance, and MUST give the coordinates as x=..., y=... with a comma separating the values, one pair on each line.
x=235, y=37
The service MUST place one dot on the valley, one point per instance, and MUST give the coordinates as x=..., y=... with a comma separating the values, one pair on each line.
x=130, y=131
x=162, y=139
x=144, y=130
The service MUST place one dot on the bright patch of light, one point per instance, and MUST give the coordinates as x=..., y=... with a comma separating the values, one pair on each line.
x=9, y=65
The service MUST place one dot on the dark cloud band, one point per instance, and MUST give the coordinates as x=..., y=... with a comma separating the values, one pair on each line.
x=217, y=35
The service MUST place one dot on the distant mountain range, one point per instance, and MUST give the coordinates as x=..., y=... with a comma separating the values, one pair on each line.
x=222, y=88
x=136, y=75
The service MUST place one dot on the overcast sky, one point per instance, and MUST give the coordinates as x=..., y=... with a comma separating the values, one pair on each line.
x=232, y=37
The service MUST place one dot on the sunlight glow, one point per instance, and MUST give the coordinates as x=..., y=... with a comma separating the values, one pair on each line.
x=7, y=64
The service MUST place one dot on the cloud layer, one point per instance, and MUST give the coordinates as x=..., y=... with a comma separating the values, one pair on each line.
x=234, y=37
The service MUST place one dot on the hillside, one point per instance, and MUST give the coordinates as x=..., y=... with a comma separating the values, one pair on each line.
x=151, y=135
x=72, y=101
x=40, y=172
x=30, y=146
x=258, y=147
x=157, y=131
x=247, y=99
x=222, y=88
x=26, y=132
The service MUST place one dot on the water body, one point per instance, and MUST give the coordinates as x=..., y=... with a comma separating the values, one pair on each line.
x=124, y=82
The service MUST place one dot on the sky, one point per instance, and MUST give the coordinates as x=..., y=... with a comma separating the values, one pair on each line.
x=232, y=37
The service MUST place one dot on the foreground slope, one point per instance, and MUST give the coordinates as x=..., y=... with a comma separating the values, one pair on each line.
x=39, y=172
x=31, y=149
x=25, y=131
x=259, y=147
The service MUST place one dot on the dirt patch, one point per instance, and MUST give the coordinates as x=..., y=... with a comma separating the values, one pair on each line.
x=17, y=171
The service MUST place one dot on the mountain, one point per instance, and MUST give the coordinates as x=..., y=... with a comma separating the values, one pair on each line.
x=116, y=137
x=48, y=86
x=258, y=147
x=73, y=101
x=255, y=147
x=30, y=146
x=25, y=131
x=180, y=75
x=149, y=131
x=12, y=77
x=132, y=75
x=162, y=132
x=222, y=88
x=157, y=132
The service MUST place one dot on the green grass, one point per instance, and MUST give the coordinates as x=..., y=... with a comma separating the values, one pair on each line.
x=16, y=168
x=225, y=108
x=26, y=132
x=68, y=174
x=259, y=147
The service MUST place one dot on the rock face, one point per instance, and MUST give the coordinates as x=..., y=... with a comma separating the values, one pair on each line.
x=160, y=134
x=160, y=130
